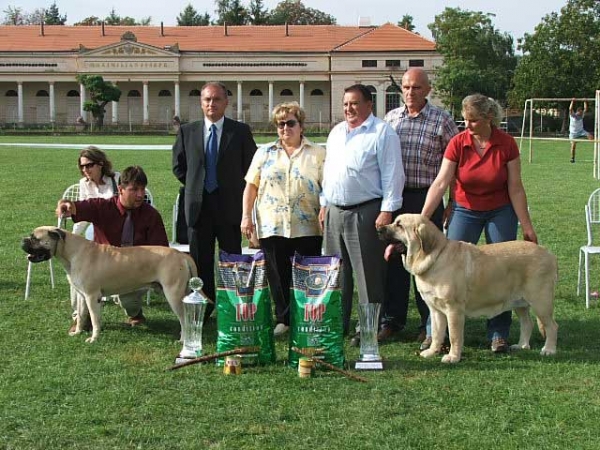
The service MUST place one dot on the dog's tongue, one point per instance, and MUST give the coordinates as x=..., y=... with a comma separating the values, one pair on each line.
x=389, y=250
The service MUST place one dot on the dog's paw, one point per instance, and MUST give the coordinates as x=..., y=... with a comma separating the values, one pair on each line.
x=90, y=340
x=74, y=333
x=520, y=347
x=428, y=353
x=547, y=352
x=450, y=359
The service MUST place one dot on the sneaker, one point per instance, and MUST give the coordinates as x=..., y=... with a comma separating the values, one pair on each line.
x=280, y=329
x=137, y=320
x=500, y=345
x=572, y=160
x=426, y=343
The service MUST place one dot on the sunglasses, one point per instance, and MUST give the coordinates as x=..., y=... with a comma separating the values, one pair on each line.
x=290, y=123
x=87, y=166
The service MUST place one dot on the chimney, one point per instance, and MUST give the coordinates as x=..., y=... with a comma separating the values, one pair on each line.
x=225, y=28
x=102, y=25
x=287, y=29
x=42, y=28
x=162, y=29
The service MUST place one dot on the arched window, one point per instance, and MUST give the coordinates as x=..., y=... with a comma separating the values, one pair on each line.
x=134, y=93
x=255, y=93
x=73, y=93
x=316, y=92
x=194, y=93
x=286, y=93
x=374, y=96
x=42, y=93
x=392, y=98
x=11, y=93
x=164, y=93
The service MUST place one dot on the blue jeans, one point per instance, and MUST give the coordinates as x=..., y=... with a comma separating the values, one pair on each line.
x=499, y=225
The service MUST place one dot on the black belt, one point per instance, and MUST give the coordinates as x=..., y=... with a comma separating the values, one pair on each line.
x=358, y=205
x=416, y=190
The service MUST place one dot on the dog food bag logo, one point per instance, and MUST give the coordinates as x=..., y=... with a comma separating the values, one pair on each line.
x=244, y=316
x=316, y=309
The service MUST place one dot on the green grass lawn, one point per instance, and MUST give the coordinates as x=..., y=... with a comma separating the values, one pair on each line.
x=58, y=392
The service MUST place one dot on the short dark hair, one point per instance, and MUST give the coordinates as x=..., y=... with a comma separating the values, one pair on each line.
x=362, y=89
x=134, y=175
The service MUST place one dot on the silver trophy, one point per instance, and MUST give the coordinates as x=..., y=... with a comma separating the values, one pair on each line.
x=194, y=306
x=368, y=317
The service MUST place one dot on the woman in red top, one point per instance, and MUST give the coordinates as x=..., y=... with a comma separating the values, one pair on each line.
x=489, y=196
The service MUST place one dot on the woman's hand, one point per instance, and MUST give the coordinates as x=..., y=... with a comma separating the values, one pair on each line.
x=247, y=227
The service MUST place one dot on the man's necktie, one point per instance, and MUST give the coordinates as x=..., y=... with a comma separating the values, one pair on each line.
x=127, y=233
x=212, y=153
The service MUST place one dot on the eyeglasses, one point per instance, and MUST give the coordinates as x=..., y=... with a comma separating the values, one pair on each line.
x=87, y=166
x=290, y=124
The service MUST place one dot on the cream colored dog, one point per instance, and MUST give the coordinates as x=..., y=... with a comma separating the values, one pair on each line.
x=457, y=279
x=100, y=270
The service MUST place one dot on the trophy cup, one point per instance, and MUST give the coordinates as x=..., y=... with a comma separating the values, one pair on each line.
x=194, y=306
x=368, y=316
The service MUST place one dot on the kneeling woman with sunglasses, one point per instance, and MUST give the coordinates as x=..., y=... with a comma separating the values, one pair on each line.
x=283, y=185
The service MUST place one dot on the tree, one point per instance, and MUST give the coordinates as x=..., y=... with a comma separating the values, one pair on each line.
x=114, y=19
x=294, y=12
x=89, y=21
x=477, y=57
x=407, y=22
x=562, y=57
x=257, y=13
x=231, y=12
x=52, y=16
x=99, y=93
x=13, y=15
x=189, y=17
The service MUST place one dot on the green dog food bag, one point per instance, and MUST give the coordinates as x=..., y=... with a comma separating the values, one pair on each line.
x=316, y=309
x=244, y=308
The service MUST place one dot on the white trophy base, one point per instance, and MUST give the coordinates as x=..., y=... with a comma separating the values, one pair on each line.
x=368, y=365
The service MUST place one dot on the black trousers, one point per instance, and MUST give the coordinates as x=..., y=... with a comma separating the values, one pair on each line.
x=203, y=237
x=395, y=304
x=278, y=252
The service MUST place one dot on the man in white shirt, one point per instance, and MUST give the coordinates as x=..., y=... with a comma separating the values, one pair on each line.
x=362, y=185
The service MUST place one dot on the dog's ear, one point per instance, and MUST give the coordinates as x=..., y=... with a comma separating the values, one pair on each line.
x=427, y=238
x=57, y=234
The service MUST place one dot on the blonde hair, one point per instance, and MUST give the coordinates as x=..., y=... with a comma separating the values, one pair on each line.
x=281, y=111
x=482, y=107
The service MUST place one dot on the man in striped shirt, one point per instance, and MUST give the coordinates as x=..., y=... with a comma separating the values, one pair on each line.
x=424, y=132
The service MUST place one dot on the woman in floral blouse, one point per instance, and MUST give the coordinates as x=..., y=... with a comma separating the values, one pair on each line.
x=285, y=180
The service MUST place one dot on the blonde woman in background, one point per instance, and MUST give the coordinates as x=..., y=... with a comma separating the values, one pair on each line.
x=285, y=180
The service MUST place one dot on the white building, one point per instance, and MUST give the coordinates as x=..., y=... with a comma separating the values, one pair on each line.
x=161, y=69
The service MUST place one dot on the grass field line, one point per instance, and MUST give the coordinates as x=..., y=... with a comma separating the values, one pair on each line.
x=101, y=146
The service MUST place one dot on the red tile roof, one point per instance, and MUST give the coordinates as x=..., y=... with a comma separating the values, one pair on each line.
x=299, y=38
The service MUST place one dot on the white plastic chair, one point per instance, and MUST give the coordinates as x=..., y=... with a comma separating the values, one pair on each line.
x=592, y=217
x=174, y=243
x=71, y=193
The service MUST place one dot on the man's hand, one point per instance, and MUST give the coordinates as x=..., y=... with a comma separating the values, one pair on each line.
x=65, y=208
x=384, y=218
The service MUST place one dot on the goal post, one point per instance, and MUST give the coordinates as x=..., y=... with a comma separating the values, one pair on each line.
x=529, y=106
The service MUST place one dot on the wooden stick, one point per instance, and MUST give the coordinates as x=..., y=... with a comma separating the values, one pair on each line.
x=312, y=352
x=235, y=351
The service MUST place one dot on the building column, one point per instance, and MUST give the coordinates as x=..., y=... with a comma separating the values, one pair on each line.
x=20, y=118
x=145, y=102
x=177, y=100
x=270, y=98
x=239, y=102
x=380, y=101
x=301, y=95
x=115, y=109
x=52, y=104
x=82, y=112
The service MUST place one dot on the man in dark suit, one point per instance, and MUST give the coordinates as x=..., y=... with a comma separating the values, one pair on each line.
x=211, y=158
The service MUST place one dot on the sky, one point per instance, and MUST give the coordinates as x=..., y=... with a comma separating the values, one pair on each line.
x=515, y=17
